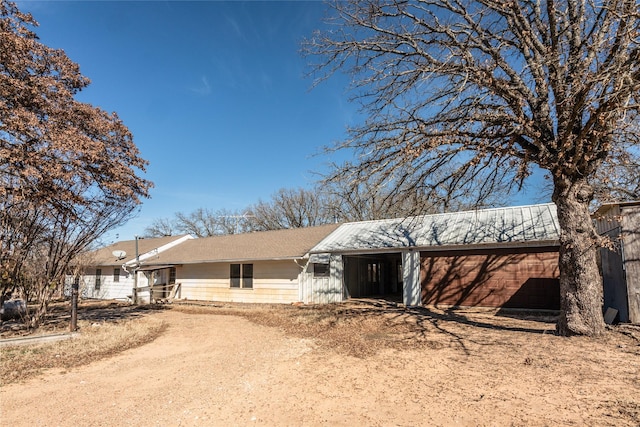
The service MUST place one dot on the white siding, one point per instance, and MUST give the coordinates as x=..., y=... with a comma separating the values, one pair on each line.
x=305, y=280
x=323, y=289
x=109, y=289
x=336, y=290
x=273, y=282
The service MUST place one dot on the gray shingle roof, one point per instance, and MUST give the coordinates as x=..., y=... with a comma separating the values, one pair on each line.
x=514, y=225
x=264, y=245
x=104, y=255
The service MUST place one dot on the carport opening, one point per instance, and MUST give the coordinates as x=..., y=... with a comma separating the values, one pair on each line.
x=374, y=275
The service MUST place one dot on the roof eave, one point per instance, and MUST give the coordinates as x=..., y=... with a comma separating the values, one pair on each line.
x=493, y=245
x=229, y=260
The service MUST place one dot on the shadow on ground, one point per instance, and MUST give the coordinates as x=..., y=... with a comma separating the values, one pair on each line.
x=59, y=317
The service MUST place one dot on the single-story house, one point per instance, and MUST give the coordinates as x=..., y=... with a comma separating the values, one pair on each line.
x=505, y=257
x=502, y=257
x=621, y=262
x=108, y=273
x=259, y=267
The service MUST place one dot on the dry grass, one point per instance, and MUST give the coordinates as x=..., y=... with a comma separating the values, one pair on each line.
x=346, y=328
x=363, y=328
x=358, y=329
x=365, y=361
x=97, y=340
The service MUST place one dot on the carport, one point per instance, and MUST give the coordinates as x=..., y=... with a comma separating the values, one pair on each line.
x=367, y=275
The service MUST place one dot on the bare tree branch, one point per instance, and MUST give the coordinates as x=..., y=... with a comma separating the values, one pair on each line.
x=471, y=94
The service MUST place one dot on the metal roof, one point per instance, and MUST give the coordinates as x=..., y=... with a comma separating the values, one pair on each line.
x=521, y=225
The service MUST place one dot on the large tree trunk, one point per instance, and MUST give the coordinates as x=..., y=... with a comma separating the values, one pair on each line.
x=580, y=278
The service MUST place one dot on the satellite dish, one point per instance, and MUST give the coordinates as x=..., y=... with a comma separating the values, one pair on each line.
x=119, y=254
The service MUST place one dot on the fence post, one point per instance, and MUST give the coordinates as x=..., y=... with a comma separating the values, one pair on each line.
x=74, y=306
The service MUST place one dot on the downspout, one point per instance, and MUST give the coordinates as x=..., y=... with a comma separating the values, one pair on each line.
x=302, y=267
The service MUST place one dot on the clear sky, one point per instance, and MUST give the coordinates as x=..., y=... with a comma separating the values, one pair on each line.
x=214, y=92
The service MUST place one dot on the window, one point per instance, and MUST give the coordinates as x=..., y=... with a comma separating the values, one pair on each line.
x=98, y=278
x=116, y=274
x=247, y=275
x=241, y=276
x=321, y=270
x=235, y=275
x=172, y=275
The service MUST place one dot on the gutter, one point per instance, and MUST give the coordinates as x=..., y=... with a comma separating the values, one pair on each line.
x=394, y=249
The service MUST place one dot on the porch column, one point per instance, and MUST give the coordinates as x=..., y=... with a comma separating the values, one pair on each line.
x=336, y=278
x=411, y=278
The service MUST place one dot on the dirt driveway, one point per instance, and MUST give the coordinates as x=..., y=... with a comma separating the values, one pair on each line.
x=425, y=369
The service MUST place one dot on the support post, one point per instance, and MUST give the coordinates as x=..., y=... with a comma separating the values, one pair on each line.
x=411, y=289
x=74, y=305
x=336, y=278
x=134, y=292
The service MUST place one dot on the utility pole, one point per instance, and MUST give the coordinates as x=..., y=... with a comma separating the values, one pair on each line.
x=134, y=293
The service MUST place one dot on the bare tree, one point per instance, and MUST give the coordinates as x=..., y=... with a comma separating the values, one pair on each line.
x=233, y=221
x=68, y=170
x=370, y=198
x=291, y=208
x=618, y=178
x=201, y=223
x=161, y=227
x=366, y=200
x=464, y=91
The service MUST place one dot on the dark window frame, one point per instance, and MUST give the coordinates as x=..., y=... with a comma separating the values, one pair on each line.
x=321, y=270
x=98, y=282
x=116, y=275
x=241, y=276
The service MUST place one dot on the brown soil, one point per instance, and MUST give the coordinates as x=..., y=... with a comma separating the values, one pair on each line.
x=363, y=363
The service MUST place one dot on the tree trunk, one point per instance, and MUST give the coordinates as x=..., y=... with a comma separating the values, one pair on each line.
x=580, y=279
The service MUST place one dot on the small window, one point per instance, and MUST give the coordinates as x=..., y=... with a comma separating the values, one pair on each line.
x=247, y=275
x=241, y=276
x=235, y=275
x=116, y=275
x=321, y=270
x=172, y=276
x=98, y=278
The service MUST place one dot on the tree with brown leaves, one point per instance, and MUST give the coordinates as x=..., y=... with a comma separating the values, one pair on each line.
x=481, y=91
x=68, y=170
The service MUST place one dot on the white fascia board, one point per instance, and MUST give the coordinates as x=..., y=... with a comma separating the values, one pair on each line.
x=156, y=251
x=236, y=260
x=504, y=245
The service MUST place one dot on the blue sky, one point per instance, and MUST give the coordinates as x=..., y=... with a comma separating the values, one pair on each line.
x=214, y=92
